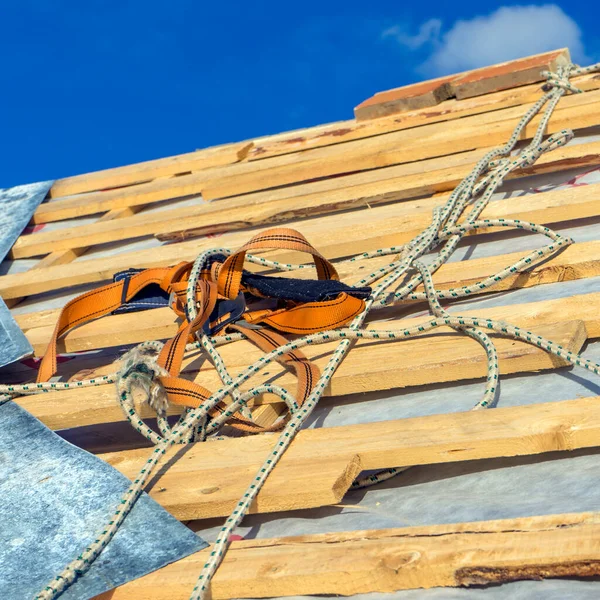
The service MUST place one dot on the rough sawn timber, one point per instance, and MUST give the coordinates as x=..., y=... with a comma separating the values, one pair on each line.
x=207, y=480
x=239, y=213
x=396, y=148
x=380, y=227
x=386, y=560
x=369, y=367
x=578, y=261
x=152, y=169
x=344, y=131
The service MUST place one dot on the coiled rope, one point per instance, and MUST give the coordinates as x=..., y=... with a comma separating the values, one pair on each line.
x=445, y=231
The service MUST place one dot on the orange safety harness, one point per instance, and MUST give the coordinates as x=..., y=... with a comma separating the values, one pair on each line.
x=220, y=282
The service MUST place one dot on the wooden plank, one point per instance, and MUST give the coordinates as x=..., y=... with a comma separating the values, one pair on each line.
x=380, y=227
x=207, y=480
x=576, y=262
x=409, y=97
x=165, y=189
x=150, y=192
x=344, y=131
x=145, y=171
x=477, y=82
x=153, y=191
x=428, y=132
x=368, y=367
x=376, y=367
x=197, y=183
x=463, y=554
x=400, y=182
x=509, y=74
x=395, y=148
x=237, y=213
x=63, y=257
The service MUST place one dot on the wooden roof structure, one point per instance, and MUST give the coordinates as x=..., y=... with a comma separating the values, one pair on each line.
x=349, y=187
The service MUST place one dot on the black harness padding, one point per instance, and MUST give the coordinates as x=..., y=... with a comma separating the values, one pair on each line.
x=229, y=311
x=301, y=290
x=152, y=296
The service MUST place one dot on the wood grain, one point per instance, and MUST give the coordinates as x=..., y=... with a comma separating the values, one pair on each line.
x=575, y=262
x=395, y=148
x=334, y=235
x=449, y=110
x=145, y=171
x=207, y=480
x=368, y=367
x=240, y=213
x=354, y=562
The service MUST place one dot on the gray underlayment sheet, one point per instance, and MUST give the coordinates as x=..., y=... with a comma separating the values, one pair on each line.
x=13, y=343
x=55, y=499
x=17, y=205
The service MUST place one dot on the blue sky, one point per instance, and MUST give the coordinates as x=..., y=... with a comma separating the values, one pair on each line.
x=91, y=84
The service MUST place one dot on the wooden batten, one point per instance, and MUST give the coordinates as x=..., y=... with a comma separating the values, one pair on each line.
x=238, y=213
x=321, y=464
x=146, y=171
x=381, y=227
x=387, y=560
x=507, y=75
x=449, y=110
x=370, y=367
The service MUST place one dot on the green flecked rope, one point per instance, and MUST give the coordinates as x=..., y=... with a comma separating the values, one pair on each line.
x=487, y=175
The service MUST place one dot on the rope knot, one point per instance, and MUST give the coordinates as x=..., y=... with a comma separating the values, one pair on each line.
x=559, y=80
x=141, y=368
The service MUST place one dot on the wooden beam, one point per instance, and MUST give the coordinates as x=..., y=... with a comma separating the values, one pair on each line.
x=386, y=560
x=508, y=74
x=145, y=171
x=493, y=78
x=200, y=182
x=150, y=192
x=380, y=226
x=344, y=131
x=382, y=130
x=395, y=148
x=368, y=367
x=369, y=188
x=207, y=480
x=409, y=97
x=63, y=257
x=192, y=184
x=575, y=262
x=238, y=213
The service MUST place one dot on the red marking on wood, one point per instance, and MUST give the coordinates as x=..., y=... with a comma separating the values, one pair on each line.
x=336, y=132
x=33, y=228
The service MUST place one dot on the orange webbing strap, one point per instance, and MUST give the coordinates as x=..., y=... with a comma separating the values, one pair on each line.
x=230, y=274
x=171, y=355
x=187, y=393
x=307, y=372
x=100, y=302
x=181, y=391
x=184, y=392
x=191, y=395
x=310, y=317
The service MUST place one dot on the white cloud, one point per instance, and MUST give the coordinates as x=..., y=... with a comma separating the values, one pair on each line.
x=508, y=33
x=428, y=32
